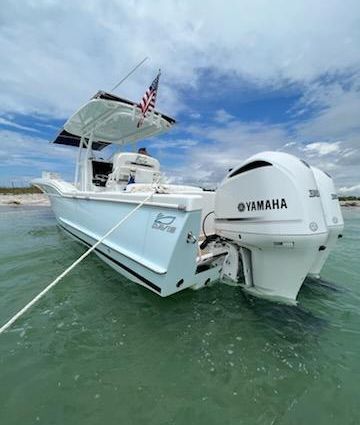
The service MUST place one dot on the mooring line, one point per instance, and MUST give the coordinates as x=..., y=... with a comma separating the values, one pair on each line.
x=73, y=265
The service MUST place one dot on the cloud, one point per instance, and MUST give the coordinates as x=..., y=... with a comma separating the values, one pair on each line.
x=170, y=144
x=9, y=123
x=321, y=148
x=221, y=147
x=350, y=190
x=57, y=54
x=53, y=63
x=336, y=105
x=23, y=157
x=221, y=116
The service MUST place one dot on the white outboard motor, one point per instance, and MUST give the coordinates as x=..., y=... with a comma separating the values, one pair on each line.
x=333, y=218
x=268, y=212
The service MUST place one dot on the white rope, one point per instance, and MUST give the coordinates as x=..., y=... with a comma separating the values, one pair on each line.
x=74, y=264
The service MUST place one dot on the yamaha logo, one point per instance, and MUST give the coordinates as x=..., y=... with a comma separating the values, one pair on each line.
x=262, y=205
x=241, y=207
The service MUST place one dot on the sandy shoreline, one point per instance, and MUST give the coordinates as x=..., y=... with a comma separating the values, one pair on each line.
x=37, y=199
x=350, y=203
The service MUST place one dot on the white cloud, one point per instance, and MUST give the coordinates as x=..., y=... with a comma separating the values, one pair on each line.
x=350, y=190
x=226, y=146
x=23, y=155
x=321, y=148
x=221, y=116
x=337, y=106
x=288, y=144
x=177, y=143
x=10, y=123
x=58, y=54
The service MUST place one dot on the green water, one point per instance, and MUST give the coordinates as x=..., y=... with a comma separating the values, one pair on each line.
x=99, y=349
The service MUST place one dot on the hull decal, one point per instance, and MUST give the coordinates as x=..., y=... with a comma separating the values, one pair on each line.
x=127, y=269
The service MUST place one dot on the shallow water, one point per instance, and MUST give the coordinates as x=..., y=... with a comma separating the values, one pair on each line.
x=99, y=349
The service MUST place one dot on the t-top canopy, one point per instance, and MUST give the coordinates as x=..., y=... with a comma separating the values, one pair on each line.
x=66, y=138
x=110, y=119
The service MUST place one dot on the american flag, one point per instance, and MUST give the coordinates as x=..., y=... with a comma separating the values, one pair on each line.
x=147, y=103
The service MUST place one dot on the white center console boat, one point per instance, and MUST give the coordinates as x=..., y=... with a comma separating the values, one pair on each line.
x=271, y=222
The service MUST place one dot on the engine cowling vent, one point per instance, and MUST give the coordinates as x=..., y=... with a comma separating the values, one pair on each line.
x=250, y=166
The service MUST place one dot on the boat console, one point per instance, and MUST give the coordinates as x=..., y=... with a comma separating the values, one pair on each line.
x=131, y=167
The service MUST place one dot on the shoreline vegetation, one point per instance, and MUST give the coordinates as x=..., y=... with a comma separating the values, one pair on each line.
x=19, y=190
x=31, y=195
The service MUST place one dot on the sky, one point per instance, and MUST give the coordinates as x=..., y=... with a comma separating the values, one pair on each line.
x=240, y=77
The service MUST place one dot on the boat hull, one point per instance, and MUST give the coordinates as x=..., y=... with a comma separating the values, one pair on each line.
x=152, y=248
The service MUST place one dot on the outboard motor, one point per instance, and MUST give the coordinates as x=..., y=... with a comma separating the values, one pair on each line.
x=268, y=213
x=333, y=218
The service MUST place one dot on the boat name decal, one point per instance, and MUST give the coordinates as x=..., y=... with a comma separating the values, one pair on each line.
x=164, y=222
x=262, y=205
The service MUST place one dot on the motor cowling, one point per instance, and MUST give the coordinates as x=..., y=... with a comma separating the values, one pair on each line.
x=333, y=218
x=269, y=206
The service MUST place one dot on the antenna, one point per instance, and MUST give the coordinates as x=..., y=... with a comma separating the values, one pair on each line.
x=128, y=75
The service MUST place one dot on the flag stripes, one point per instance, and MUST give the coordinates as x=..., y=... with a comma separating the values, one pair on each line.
x=147, y=103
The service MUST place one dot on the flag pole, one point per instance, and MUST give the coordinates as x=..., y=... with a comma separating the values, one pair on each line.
x=130, y=73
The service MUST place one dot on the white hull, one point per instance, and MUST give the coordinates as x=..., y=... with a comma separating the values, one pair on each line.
x=158, y=257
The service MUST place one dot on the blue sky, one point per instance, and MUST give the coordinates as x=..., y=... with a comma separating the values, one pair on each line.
x=240, y=77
